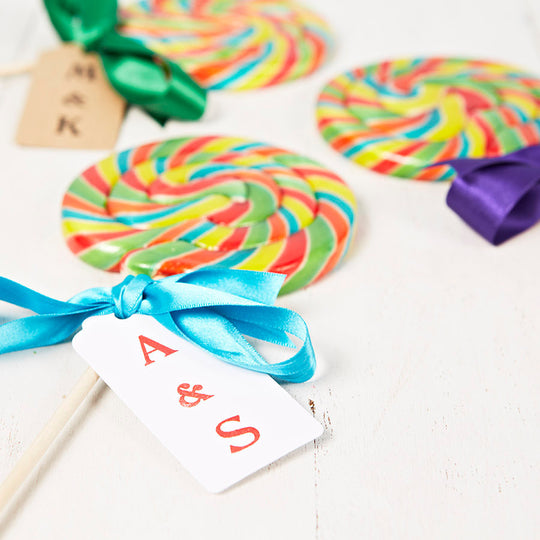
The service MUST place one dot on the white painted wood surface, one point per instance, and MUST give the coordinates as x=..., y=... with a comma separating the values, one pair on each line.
x=428, y=338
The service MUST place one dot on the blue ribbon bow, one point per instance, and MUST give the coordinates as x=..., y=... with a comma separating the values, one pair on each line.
x=213, y=308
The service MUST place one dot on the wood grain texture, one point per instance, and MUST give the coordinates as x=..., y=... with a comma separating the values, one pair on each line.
x=427, y=337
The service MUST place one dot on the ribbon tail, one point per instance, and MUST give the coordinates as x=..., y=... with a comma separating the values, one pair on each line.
x=22, y=296
x=216, y=332
x=301, y=366
x=262, y=287
x=39, y=331
x=263, y=332
x=79, y=20
x=497, y=201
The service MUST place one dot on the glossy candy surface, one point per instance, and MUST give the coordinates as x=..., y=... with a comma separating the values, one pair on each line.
x=232, y=44
x=168, y=207
x=399, y=116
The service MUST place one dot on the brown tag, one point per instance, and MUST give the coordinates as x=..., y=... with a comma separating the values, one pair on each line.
x=71, y=103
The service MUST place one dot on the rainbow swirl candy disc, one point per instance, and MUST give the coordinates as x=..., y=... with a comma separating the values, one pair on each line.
x=168, y=207
x=231, y=44
x=397, y=117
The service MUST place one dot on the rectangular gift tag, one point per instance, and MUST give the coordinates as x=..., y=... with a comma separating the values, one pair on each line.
x=221, y=422
x=71, y=103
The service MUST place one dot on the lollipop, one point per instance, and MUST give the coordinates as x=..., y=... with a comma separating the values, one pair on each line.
x=168, y=207
x=397, y=117
x=231, y=44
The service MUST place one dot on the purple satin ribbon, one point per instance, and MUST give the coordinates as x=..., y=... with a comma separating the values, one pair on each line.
x=498, y=197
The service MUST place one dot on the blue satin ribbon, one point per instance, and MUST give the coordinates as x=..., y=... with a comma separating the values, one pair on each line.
x=498, y=197
x=213, y=308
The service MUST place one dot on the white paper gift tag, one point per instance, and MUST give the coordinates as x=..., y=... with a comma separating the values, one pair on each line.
x=221, y=422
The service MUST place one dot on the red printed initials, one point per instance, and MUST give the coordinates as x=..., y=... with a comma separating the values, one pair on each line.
x=146, y=343
x=237, y=432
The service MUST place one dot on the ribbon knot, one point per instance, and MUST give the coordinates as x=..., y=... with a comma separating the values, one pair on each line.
x=213, y=308
x=128, y=295
x=140, y=75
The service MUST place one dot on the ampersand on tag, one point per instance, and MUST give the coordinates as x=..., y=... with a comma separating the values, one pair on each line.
x=185, y=392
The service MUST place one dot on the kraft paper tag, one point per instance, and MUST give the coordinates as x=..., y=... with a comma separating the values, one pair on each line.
x=220, y=421
x=71, y=103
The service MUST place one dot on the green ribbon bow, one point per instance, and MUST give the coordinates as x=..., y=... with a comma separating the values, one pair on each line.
x=141, y=76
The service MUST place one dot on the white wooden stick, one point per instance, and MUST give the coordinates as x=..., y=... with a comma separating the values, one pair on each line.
x=16, y=69
x=44, y=440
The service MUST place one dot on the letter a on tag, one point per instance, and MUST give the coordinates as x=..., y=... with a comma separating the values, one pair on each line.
x=149, y=346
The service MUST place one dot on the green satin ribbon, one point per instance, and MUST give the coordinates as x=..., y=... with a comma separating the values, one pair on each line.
x=141, y=76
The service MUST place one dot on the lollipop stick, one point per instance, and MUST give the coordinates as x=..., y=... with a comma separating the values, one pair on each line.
x=16, y=69
x=44, y=440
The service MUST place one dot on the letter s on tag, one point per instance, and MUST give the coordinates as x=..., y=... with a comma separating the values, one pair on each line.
x=236, y=433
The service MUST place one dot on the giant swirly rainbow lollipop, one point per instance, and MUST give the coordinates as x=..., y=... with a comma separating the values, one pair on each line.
x=168, y=207
x=231, y=44
x=398, y=117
